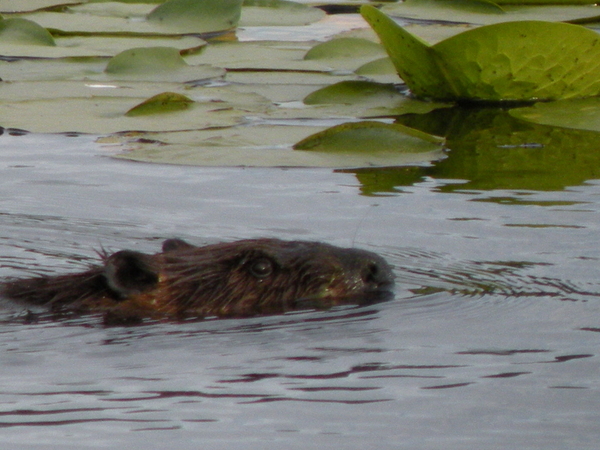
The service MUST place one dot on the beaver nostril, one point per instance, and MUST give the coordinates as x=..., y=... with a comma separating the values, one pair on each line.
x=371, y=273
x=377, y=275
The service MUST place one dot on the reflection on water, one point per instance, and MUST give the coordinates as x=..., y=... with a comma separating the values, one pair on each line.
x=490, y=149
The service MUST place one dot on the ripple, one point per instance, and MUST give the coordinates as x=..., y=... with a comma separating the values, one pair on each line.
x=429, y=281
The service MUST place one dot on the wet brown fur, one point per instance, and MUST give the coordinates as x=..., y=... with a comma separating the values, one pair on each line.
x=243, y=278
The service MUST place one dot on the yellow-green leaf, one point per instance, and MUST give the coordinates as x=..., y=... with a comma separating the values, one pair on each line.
x=370, y=137
x=24, y=32
x=197, y=16
x=161, y=103
x=510, y=61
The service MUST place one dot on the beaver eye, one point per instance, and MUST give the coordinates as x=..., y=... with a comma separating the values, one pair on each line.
x=261, y=268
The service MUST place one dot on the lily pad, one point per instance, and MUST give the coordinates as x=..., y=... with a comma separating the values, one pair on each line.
x=11, y=6
x=370, y=137
x=261, y=145
x=137, y=61
x=366, y=98
x=450, y=11
x=345, y=48
x=120, y=18
x=156, y=63
x=24, y=32
x=546, y=2
x=197, y=16
x=512, y=61
x=103, y=109
x=91, y=46
x=350, y=92
x=260, y=13
x=166, y=102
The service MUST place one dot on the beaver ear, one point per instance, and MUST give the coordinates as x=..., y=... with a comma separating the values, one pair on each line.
x=129, y=273
x=175, y=244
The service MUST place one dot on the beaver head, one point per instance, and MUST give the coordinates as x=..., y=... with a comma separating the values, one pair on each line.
x=243, y=278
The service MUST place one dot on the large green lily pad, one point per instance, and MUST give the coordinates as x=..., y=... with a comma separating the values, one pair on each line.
x=460, y=12
x=11, y=6
x=258, y=13
x=261, y=145
x=125, y=18
x=511, y=61
x=24, y=32
x=196, y=16
x=371, y=138
x=103, y=110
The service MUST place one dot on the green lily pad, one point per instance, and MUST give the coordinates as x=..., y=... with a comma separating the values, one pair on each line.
x=546, y=2
x=137, y=61
x=91, y=46
x=580, y=114
x=260, y=13
x=451, y=11
x=261, y=145
x=197, y=16
x=350, y=92
x=512, y=61
x=370, y=137
x=381, y=66
x=156, y=63
x=128, y=18
x=86, y=107
x=11, y=6
x=265, y=55
x=166, y=102
x=345, y=48
x=24, y=32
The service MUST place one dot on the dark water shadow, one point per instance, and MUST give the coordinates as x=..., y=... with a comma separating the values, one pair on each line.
x=490, y=149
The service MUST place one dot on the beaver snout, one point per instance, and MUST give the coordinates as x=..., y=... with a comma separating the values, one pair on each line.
x=242, y=278
x=374, y=271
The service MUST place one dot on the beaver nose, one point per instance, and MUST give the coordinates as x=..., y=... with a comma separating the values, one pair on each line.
x=376, y=273
x=369, y=269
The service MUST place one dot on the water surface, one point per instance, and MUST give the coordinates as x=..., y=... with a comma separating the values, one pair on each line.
x=490, y=343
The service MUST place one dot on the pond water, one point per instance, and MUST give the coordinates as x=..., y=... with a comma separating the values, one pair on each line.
x=490, y=343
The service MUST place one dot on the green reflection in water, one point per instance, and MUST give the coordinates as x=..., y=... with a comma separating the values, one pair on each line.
x=490, y=149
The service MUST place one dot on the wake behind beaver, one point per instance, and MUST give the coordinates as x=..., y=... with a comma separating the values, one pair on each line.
x=236, y=279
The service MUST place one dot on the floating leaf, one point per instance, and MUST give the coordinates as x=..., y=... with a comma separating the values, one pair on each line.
x=137, y=61
x=546, y=2
x=156, y=64
x=350, y=92
x=11, y=6
x=87, y=108
x=345, y=48
x=261, y=145
x=142, y=18
x=413, y=58
x=370, y=137
x=24, y=32
x=450, y=11
x=381, y=66
x=260, y=13
x=513, y=61
x=197, y=16
x=161, y=103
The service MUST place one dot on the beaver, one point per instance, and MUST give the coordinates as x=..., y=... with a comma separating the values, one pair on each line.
x=236, y=279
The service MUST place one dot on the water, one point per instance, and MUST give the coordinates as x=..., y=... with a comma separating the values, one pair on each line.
x=491, y=342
